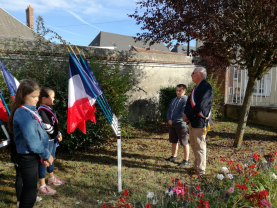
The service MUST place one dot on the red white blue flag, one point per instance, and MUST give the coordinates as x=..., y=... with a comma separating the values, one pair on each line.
x=10, y=80
x=80, y=98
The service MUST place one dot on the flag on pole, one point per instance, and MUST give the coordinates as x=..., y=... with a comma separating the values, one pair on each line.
x=80, y=98
x=3, y=112
x=85, y=65
x=95, y=85
x=10, y=80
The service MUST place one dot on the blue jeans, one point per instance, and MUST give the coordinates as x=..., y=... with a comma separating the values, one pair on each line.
x=50, y=169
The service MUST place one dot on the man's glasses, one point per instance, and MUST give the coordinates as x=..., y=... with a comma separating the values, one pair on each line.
x=194, y=73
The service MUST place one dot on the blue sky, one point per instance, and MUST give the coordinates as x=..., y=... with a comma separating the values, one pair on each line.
x=79, y=21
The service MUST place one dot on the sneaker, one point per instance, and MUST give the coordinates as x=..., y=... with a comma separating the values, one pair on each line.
x=184, y=163
x=56, y=181
x=46, y=190
x=171, y=159
x=39, y=198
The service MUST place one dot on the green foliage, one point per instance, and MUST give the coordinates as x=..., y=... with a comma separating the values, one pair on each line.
x=165, y=96
x=218, y=95
x=47, y=63
x=168, y=93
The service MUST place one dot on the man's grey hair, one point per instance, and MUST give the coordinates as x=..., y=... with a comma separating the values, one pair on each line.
x=203, y=70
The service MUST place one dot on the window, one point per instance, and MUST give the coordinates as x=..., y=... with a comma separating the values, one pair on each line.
x=263, y=86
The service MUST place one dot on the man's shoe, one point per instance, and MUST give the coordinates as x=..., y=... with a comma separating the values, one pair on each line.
x=184, y=163
x=171, y=159
x=190, y=169
x=46, y=190
x=198, y=175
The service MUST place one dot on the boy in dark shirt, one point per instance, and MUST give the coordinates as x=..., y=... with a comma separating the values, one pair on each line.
x=178, y=130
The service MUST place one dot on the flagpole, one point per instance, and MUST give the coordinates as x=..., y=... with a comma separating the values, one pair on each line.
x=6, y=142
x=116, y=130
x=102, y=96
x=109, y=117
x=1, y=93
x=108, y=109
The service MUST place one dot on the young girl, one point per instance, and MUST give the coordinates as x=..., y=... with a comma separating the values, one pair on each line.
x=50, y=124
x=30, y=138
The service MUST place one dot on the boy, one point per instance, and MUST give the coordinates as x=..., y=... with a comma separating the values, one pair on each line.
x=178, y=130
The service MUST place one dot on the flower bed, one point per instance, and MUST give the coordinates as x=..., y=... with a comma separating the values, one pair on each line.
x=252, y=184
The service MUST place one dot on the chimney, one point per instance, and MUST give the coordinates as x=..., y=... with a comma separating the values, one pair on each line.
x=30, y=17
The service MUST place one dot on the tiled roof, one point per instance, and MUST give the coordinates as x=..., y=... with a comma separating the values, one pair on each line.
x=182, y=48
x=10, y=27
x=123, y=42
x=146, y=50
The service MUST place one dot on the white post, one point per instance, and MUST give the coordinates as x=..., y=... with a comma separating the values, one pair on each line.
x=6, y=142
x=119, y=161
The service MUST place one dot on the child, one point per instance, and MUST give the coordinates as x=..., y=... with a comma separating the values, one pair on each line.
x=50, y=124
x=30, y=138
x=178, y=129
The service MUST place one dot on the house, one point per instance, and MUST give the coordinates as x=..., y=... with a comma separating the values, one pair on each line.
x=182, y=49
x=123, y=42
x=10, y=27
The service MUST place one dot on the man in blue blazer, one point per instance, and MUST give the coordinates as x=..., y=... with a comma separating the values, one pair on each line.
x=197, y=114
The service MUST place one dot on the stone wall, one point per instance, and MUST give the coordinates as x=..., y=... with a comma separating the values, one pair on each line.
x=260, y=115
x=154, y=69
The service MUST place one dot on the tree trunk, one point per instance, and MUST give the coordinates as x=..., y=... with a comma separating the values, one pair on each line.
x=244, y=112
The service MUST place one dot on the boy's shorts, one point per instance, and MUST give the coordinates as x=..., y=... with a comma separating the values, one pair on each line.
x=178, y=134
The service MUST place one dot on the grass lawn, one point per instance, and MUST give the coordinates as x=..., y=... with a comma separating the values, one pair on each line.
x=91, y=177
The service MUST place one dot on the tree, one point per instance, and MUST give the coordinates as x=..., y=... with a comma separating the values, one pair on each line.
x=234, y=32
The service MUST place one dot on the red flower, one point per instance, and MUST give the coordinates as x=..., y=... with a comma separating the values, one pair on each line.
x=242, y=187
x=148, y=205
x=253, y=166
x=222, y=159
x=104, y=206
x=178, y=183
x=198, y=187
x=207, y=204
x=264, y=194
x=106, y=78
x=202, y=195
x=230, y=162
x=122, y=200
x=125, y=193
x=172, y=179
x=198, y=206
x=275, y=152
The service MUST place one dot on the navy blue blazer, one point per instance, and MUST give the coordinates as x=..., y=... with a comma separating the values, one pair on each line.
x=203, y=97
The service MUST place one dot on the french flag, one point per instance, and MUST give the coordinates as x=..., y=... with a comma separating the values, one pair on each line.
x=80, y=97
x=10, y=80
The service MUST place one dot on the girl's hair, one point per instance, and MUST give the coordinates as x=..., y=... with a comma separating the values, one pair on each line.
x=25, y=88
x=44, y=92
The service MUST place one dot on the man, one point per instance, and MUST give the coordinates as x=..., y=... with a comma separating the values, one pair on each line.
x=197, y=115
x=178, y=130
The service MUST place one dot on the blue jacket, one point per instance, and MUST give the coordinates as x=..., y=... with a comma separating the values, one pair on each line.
x=203, y=97
x=29, y=135
x=176, y=110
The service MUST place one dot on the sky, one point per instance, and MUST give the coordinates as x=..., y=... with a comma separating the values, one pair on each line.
x=79, y=21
